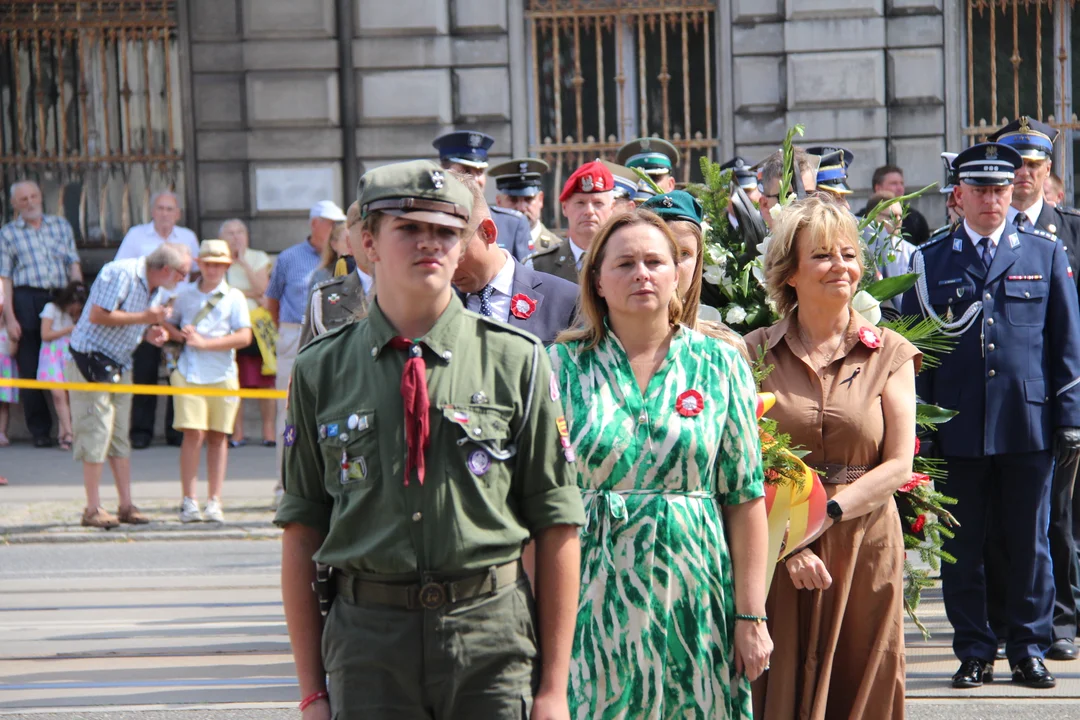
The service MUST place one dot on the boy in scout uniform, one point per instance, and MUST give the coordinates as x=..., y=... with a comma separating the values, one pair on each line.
x=419, y=479
x=344, y=298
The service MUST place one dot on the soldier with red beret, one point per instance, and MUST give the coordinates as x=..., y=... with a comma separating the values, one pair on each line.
x=588, y=200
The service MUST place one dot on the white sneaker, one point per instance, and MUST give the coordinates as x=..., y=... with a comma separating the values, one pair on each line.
x=212, y=511
x=189, y=511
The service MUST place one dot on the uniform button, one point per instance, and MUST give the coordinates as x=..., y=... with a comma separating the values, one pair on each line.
x=374, y=352
x=991, y=373
x=986, y=296
x=447, y=355
x=417, y=517
x=1027, y=294
x=991, y=347
x=477, y=431
x=643, y=418
x=990, y=321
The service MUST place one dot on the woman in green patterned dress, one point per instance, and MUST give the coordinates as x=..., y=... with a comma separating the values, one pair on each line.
x=661, y=420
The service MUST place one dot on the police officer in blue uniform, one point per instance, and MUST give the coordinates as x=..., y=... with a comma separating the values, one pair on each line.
x=1034, y=141
x=466, y=151
x=1007, y=296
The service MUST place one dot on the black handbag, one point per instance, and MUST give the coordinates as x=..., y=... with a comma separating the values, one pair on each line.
x=96, y=366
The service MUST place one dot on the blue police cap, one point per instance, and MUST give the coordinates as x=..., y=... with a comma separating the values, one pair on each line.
x=1034, y=140
x=832, y=170
x=741, y=171
x=465, y=147
x=626, y=181
x=987, y=164
x=522, y=177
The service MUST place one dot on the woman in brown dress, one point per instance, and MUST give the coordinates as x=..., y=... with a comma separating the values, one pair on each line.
x=845, y=391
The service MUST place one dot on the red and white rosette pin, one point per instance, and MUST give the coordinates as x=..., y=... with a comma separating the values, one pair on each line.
x=690, y=403
x=522, y=306
x=869, y=338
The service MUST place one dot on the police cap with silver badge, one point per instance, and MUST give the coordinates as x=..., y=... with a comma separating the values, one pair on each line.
x=419, y=190
x=465, y=147
x=1034, y=140
x=987, y=164
x=741, y=172
x=652, y=155
x=832, y=169
x=522, y=177
x=626, y=181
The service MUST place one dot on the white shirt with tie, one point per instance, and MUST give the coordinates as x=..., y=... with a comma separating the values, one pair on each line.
x=578, y=252
x=503, y=284
x=976, y=238
x=1032, y=214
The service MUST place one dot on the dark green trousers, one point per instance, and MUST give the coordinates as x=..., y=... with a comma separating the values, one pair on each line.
x=473, y=659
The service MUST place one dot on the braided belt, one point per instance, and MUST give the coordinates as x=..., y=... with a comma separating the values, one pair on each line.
x=832, y=474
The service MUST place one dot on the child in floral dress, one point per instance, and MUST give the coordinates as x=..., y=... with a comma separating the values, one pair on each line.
x=58, y=319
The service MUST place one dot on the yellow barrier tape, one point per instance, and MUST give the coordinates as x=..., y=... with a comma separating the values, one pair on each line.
x=245, y=394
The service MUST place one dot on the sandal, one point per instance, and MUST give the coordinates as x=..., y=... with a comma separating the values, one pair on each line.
x=64, y=443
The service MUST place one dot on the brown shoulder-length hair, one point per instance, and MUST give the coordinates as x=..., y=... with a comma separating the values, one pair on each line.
x=590, y=327
x=827, y=225
x=691, y=302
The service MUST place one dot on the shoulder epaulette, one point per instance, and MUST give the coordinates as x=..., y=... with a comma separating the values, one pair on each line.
x=1068, y=210
x=332, y=281
x=332, y=332
x=542, y=251
x=507, y=211
x=945, y=231
x=1038, y=232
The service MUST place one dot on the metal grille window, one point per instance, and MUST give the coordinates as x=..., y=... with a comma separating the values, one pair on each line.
x=607, y=71
x=89, y=109
x=1020, y=62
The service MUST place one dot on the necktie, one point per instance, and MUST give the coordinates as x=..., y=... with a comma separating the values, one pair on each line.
x=579, y=261
x=987, y=251
x=417, y=407
x=1020, y=220
x=485, y=300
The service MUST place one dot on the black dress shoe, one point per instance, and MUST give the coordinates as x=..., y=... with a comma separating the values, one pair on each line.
x=1032, y=672
x=42, y=442
x=140, y=443
x=973, y=673
x=1062, y=650
x=1001, y=652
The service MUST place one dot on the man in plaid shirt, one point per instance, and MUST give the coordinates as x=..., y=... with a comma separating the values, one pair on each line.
x=37, y=258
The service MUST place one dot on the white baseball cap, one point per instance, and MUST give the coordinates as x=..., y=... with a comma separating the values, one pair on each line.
x=327, y=209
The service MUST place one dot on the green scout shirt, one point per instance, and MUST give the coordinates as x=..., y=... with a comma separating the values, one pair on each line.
x=496, y=468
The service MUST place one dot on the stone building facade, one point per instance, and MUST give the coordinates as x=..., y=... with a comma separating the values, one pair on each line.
x=279, y=102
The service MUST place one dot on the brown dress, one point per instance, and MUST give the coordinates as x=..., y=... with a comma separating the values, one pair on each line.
x=839, y=653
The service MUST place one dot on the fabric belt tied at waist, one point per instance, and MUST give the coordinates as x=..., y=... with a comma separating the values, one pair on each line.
x=604, y=506
x=832, y=474
x=429, y=593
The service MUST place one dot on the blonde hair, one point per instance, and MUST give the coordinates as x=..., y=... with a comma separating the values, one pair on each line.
x=329, y=256
x=593, y=309
x=826, y=224
x=692, y=300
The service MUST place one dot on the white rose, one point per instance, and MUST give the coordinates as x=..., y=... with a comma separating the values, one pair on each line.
x=735, y=315
x=713, y=274
x=867, y=306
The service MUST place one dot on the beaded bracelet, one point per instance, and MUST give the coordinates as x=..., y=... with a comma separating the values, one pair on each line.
x=756, y=619
x=313, y=697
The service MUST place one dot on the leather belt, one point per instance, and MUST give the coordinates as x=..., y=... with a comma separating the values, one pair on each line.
x=429, y=593
x=832, y=474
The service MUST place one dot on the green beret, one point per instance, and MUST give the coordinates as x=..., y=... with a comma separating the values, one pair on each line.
x=676, y=205
x=419, y=189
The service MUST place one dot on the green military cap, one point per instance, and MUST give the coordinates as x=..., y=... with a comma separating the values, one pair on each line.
x=653, y=155
x=521, y=177
x=418, y=190
x=676, y=205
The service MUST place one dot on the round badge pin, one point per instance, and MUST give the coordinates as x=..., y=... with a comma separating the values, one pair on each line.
x=353, y=421
x=479, y=462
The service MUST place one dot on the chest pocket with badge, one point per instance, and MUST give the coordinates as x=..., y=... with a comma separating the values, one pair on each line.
x=485, y=438
x=952, y=296
x=350, y=449
x=1025, y=301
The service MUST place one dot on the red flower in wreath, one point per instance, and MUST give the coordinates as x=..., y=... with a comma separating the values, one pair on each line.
x=869, y=338
x=522, y=306
x=918, y=443
x=690, y=403
x=917, y=526
x=917, y=480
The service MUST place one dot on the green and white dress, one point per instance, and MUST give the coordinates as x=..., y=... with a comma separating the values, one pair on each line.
x=655, y=625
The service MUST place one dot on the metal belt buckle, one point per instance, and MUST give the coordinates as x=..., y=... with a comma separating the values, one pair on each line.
x=432, y=596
